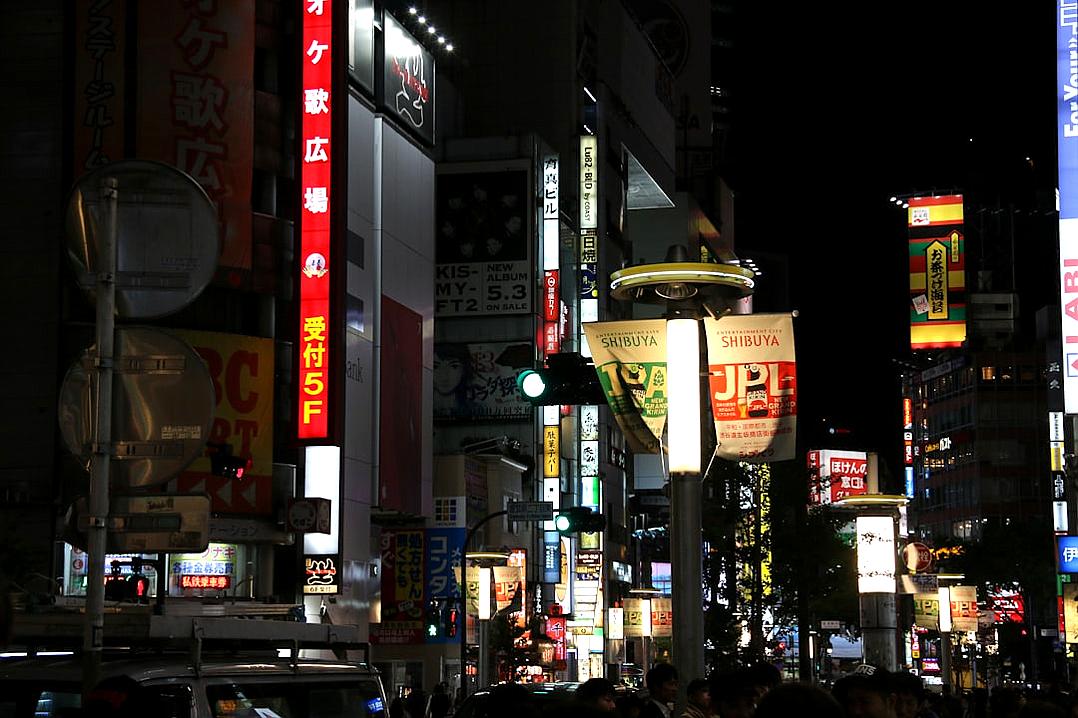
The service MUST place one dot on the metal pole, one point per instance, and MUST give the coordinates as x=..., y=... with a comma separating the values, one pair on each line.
x=102, y=448
x=945, y=657
x=464, y=601
x=482, y=672
x=687, y=600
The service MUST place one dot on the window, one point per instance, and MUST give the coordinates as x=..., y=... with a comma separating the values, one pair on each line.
x=988, y=373
x=293, y=699
x=445, y=510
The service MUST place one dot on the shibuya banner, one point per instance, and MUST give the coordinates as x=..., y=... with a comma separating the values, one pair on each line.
x=753, y=386
x=752, y=382
x=630, y=358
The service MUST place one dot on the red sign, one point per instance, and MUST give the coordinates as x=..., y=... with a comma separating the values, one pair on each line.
x=550, y=295
x=907, y=413
x=316, y=328
x=918, y=557
x=555, y=631
x=551, y=338
x=205, y=581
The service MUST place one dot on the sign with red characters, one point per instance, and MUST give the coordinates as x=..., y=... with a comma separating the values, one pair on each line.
x=216, y=582
x=316, y=327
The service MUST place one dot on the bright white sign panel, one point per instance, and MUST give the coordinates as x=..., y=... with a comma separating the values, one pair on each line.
x=875, y=554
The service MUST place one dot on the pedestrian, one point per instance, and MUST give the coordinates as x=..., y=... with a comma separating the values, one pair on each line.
x=698, y=700
x=662, y=683
x=910, y=696
x=631, y=705
x=798, y=699
x=595, y=695
x=866, y=693
x=438, y=705
x=416, y=703
x=734, y=694
x=396, y=708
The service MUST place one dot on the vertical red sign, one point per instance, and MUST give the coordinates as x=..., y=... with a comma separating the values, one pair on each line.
x=315, y=153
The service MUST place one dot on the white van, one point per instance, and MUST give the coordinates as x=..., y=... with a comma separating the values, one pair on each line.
x=215, y=677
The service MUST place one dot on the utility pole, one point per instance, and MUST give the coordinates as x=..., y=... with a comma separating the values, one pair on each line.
x=93, y=638
x=464, y=602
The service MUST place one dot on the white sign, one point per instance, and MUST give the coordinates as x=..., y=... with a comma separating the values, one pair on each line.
x=875, y=554
x=589, y=182
x=1059, y=517
x=1068, y=300
x=614, y=623
x=551, y=235
x=1055, y=426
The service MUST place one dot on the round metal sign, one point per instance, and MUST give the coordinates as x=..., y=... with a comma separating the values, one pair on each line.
x=162, y=407
x=917, y=557
x=167, y=236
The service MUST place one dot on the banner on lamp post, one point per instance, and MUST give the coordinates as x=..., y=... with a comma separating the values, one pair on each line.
x=753, y=384
x=630, y=358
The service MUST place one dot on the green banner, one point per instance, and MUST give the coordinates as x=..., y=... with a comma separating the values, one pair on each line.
x=630, y=358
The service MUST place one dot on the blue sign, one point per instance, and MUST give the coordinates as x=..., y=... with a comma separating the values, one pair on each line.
x=1068, y=554
x=443, y=549
x=909, y=482
x=551, y=557
x=1067, y=106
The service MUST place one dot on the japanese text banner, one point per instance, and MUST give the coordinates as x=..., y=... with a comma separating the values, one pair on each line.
x=630, y=358
x=753, y=386
x=937, y=272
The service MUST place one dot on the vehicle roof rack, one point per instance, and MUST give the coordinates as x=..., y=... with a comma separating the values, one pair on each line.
x=186, y=627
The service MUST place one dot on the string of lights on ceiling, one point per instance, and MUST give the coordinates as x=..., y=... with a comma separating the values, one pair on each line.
x=422, y=19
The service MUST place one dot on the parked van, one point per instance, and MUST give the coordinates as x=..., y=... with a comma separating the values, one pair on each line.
x=184, y=667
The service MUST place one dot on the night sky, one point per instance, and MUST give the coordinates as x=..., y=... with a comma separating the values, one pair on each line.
x=839, y=108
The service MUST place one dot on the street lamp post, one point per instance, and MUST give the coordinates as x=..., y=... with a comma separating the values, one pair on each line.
x=464, y=603
x=688, y=290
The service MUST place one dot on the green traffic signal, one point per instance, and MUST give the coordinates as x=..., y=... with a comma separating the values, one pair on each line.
x=563, y=523
x=579, y=519
x=531, y=383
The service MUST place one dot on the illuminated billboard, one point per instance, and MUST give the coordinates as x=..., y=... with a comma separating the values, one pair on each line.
x=1067, y=144
x=937, y=272
x=316, y=331
x=837, y=475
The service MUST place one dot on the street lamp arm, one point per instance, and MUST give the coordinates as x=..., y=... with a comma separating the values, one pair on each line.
x=464, y=604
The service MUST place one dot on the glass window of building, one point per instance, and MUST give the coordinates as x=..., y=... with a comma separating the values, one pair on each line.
x=988, y=373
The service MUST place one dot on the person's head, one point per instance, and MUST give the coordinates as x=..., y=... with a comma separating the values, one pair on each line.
x=452, y=368
x=733, y=694
x=797, y=699
x=596, y=693
x=662, y=682
x=699, y=694
x=764, y=676
x=909, y=694
x=866, y=693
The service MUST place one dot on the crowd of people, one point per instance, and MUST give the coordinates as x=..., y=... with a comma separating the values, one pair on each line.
x=868, y=692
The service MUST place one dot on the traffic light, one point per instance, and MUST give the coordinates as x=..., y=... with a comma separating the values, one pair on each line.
x=433, y=623
x=115, y=584
x=223, y=463
x=452, y=617
x=567, y=379
x=578, y=519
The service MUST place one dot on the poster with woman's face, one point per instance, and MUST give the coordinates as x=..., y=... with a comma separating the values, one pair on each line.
x=479, y=381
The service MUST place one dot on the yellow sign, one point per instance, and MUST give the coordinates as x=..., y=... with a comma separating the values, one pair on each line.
x=1070, y=611
x=551, y=452
x=936, y=280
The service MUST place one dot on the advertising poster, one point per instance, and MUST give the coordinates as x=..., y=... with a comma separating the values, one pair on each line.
x=926, y=610
x=442, y=561
x=637, y=617
x=401, y=406
x=482, y=240
x=753, y=382
x=963, y=608
x=509, y=590
x=662, y=618
x=630, y=358
x=408, y=75
x=1067, y=163
x=242, y=371
x=842, y=474
x=402, y=589
x=99, y=84
x=196, y=106
x=471, y=608
x=937, y=272
x=1070, y=611
x=479, y=381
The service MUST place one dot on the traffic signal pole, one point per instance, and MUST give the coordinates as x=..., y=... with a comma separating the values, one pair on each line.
x=102, y=449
